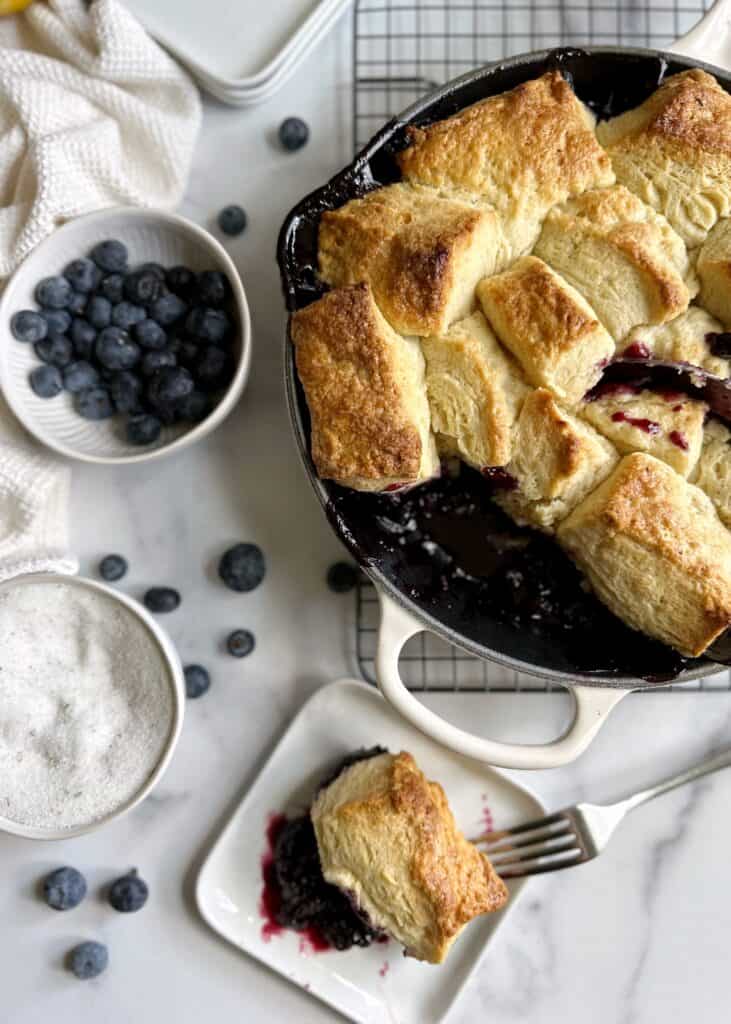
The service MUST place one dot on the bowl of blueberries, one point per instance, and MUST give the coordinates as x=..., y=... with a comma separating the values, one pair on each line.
x=125, y=336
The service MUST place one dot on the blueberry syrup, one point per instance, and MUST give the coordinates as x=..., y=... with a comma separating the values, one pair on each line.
x=612, y=389
x=271, y=897
x=486, y=819
x=384, y=969
x=678, y=438
x=637, y=350
x=499, y=478
x=720, y=343
x=645, y=425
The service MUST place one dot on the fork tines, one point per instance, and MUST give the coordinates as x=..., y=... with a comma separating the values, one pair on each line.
x=537, y=846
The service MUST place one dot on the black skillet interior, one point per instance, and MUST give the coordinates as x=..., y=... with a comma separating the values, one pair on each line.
x=444, y=550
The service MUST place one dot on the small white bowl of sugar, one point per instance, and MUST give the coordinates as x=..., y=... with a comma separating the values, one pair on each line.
x=91, y=705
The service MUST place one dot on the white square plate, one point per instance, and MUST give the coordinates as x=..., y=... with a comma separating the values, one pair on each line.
x=366, y=985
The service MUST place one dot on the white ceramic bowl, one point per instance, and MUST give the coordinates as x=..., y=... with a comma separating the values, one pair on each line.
x=177, y=685
x=150, y=235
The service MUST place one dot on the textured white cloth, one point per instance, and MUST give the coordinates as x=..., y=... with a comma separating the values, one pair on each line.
x=92, y=113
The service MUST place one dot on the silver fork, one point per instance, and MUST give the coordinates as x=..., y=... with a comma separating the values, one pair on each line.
x=576, y=834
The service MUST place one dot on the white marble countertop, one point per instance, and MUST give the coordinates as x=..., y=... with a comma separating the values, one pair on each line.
x=639, y=936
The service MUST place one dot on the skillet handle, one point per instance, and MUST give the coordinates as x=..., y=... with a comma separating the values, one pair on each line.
x=593, y=705
x=710, y=39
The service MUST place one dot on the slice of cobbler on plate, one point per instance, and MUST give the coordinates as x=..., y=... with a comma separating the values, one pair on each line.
x=366, y=392
x=674, y=152
x=691, y=338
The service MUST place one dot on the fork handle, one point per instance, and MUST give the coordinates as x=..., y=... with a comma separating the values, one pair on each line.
x=705, y=767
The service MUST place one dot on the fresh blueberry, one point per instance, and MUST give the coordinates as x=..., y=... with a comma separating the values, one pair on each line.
x=53, y=293
x=126, y=315
x=58, y=320
x=126, y=389
x=188, y=353
x=94, y=404
x=161, y=599
x=167, y=309
x=99, y=312
x=154, y=361
x=80, y=376
x=150, y=334
x=115, y=350
x=112, y=287
x=181, y=281
x=88, y=960
x=232, y=219
x=197, y=681
x=113, y=568
x=153, y=268
x=83, y=336
x=143, y=287
x=143, y=429
x=111, y=256
x=242, y=567
x=208, y=325
x=56, y=350
x=77, y=303
x=240, y=643
x=46, y=381
x=341, y=577
x=64, y=888
x=168, y=386
x=129, y=893
x=210, y=369
x=212, y=288
x=82, y=275
x=29, y=326
x=293, y=133
x=194, y=407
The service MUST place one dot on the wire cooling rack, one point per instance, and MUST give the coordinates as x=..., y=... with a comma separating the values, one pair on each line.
x=403, y=49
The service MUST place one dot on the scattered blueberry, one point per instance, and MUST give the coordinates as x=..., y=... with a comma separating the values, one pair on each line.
x=126, y=389
x=99, y=312
x=143, y=287
x=181, y=281
x=195, y=406
x=64, y=888
x=197, y=681
x=77, y=303
x=168, y=386
x=240, y=643
x=293, y=133
x=208, y=325
x=112, y=287
x=94, y=404
x=83, y=275
x=88, y=960
x=80, y=376
x=232, y=219
x=129, y=893
x=111, y=256
x=53, y=293
x=161, y=599
x=56, y=350
x=242, y=567
x=46, y=381
x=212, y=288
x=29, y=326
x=143, y=428
x=126, y=315
x=167, y=309
x=113, y=568
x=210, y=367
x=342, y=577
x=150, y=334
x=115, y=350
x=58, y=320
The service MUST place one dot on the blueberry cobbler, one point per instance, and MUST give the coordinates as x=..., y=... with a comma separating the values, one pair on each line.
x=377, y=855
x=536, y=317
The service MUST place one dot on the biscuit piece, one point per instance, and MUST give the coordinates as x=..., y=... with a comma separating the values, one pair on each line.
x=366, y=393
x=421, y=254
x=622, y=256
x=656, y=553
x=682, y=340
x=557, y=460
x=522, y=151
x=714, y=270
x=713, y=470
x=667, y=424
x=548, y=326
x=474, y=391
x=674, y=152
x=386, y=837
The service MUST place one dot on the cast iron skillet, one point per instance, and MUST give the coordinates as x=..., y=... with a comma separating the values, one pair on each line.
x=467, y=573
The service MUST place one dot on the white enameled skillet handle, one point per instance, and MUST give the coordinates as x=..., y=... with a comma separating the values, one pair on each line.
x=710, y=40
x=593, y=705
